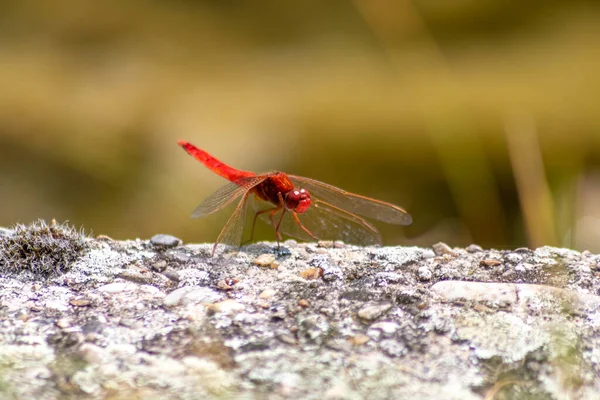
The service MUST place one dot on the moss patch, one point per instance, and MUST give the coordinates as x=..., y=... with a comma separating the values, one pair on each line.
x=47, y=249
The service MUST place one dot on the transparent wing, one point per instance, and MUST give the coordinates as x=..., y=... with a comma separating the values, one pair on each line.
x=327, y=222
x=353, y=203
x=233, y=230
x=226, y=195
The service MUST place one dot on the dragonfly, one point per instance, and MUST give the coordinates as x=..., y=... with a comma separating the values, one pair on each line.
x=300, y=207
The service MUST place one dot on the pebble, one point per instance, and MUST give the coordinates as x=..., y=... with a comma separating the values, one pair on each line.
x=311, y=273
x=228, y=307
x=181, y=258
x=263, y=304
x=524, y=250
x=442, y=248
x=327, y=244
x=266, y=260
x=288, y=339
x=159, y=266
x=267, y=294
x=172, y=275
x=79, y=302
x=427, y=254
x=176, y=295
x=386, y=327
x=373, y=311
x=63, y=323
x=303, y=303
x=473, y=248
x=224, y=285
x=166, y=241
x=135, y=276
x=191, y=294
x=359, y=340
x=424, y=274
x=201, y=295
x=490, y=262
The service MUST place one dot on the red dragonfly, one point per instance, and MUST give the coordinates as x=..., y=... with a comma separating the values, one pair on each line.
x=316, y=210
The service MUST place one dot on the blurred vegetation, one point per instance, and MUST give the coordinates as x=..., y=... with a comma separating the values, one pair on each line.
x=479, y=117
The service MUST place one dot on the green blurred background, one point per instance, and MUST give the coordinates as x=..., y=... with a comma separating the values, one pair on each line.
x=479, y=117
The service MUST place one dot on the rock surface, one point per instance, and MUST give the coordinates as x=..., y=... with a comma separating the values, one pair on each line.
x=136, y=320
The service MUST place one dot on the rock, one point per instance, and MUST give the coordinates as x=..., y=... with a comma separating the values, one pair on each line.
x=191, y=294
x=63, y=323
x=386, y=327
x=165, y=241
x=80, y=302
x=473, y=248
x=490, y=262
x=383, y=322
x=303, y=303
x=359, y=340
x=159, y=266
x=373, y=311
x=266, y=260
x=424, y=274
x=442, y=248
x=228, y=307
x=201, y=295
x=311, y=273
x=267, y=293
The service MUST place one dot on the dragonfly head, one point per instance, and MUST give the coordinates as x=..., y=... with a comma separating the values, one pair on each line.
x=298, y=200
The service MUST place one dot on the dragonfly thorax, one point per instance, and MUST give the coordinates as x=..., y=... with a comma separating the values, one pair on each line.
x=298, y=200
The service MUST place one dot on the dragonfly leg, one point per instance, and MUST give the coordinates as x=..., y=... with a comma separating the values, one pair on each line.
x=282, y=205
x=271, y=210
x=278, y=224
x=297, y=220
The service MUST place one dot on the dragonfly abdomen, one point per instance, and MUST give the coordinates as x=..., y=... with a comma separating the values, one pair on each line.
x=213, y=164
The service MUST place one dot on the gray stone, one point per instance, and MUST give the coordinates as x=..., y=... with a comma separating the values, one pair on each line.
x=442, y=248
x=166, y=241
x=424, y=274
x=373, y=311
x=374, y=328
x=191, y=294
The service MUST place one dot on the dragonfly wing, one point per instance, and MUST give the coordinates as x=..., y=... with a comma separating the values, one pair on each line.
x=353, y=203
x=328, y=222
x=233, y=230
x=226, y=195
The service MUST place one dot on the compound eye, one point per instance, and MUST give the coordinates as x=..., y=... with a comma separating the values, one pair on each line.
x=298, y=200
